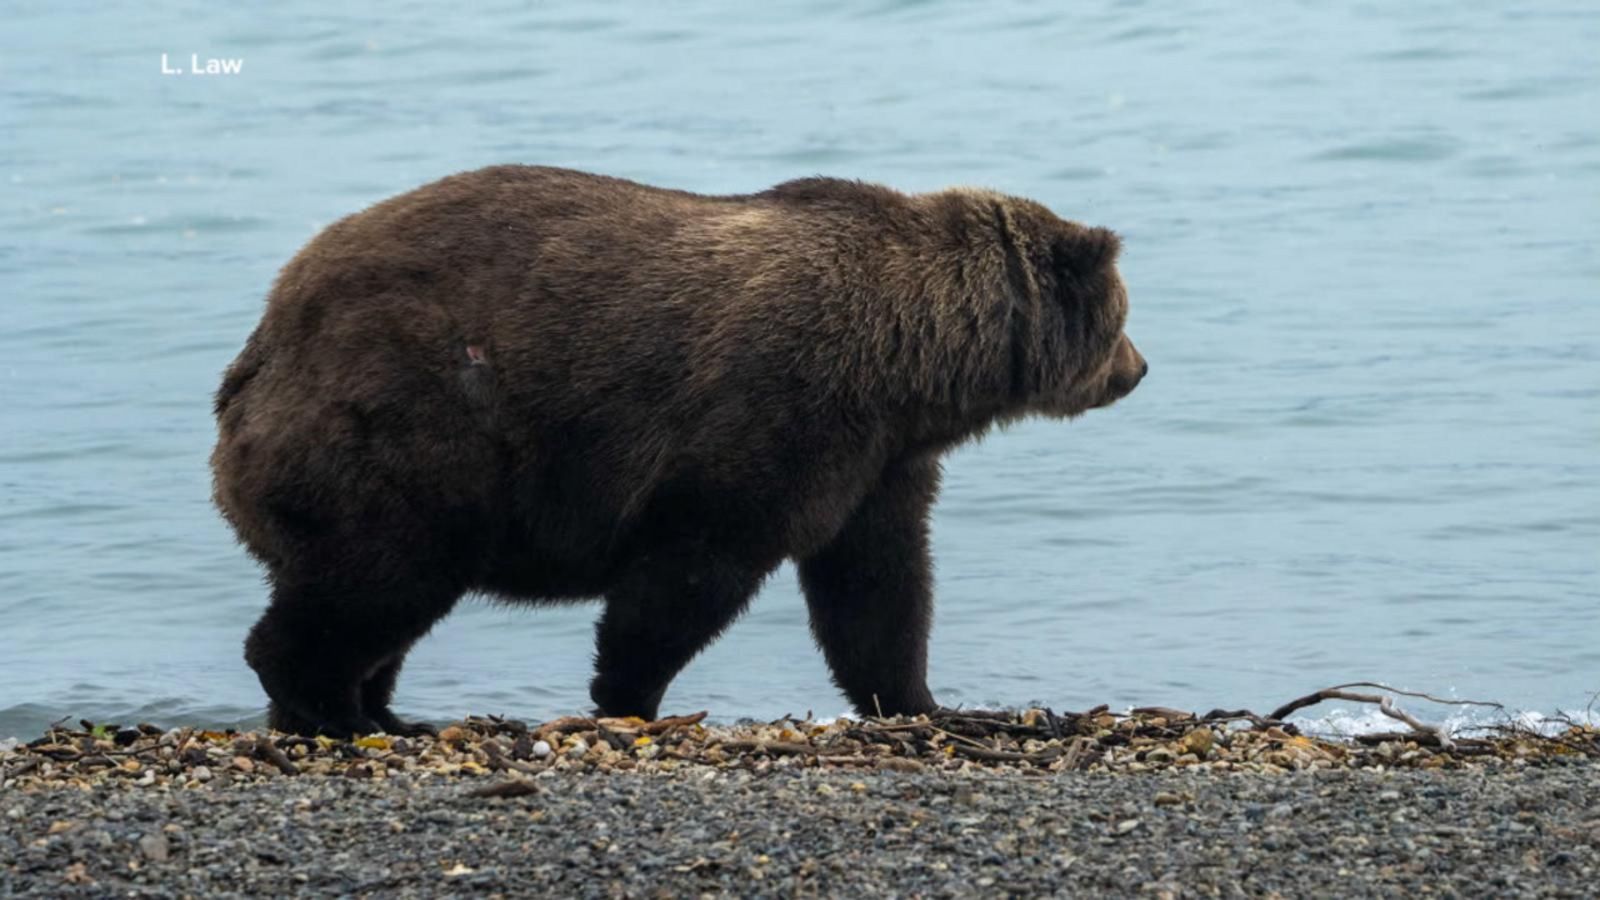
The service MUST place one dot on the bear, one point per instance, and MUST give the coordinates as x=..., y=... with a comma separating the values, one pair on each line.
x=543, y=386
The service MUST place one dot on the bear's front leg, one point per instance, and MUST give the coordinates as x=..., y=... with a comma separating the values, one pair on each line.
x=669, y=606
x=871, y=597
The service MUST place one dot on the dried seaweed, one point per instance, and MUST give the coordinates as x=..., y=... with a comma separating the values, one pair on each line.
x=1039, y=740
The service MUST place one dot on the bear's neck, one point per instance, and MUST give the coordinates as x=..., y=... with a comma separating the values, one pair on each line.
x=954, y=338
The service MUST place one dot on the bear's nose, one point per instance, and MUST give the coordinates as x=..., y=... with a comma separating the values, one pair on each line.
x=1144, y=370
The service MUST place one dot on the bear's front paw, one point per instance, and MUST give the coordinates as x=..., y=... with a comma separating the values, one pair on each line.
x=393, y=724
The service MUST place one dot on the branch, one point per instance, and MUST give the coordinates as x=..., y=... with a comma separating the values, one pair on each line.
x=1385, y=705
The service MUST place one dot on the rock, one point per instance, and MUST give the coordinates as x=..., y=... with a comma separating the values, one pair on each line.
x=155, y=847
x=1198, y=741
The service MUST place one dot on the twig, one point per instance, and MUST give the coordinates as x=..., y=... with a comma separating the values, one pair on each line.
x=775, y=748
x=1055, y=723
x=1232, y=715
x=984, y=753
x=1385, y=706
x=137, y=752
x=1165, y=712
x=877, y=727
x=269, y=751
x=1283, y=711
x=998, y=715
x=671, y=722
x=564, y=724
x=1088, y=750
x=22, y=768
x=961, y=739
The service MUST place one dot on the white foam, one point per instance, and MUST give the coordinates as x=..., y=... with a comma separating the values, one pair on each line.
x=1472, y=722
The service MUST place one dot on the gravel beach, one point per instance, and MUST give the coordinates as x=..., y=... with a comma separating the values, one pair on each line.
x=1513, y=830
x=958, y=802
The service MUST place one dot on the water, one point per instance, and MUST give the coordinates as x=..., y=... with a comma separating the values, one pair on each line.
x=1362, y=246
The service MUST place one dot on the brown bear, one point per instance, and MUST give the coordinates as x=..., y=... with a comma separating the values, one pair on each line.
x=542, y=385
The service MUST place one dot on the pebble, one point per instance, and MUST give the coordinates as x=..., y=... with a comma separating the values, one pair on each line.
x=155, y=847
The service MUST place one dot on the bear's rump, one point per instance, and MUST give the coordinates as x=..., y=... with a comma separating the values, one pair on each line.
x=320, y=455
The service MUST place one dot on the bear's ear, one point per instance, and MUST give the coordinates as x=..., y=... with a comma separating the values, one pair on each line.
x=1087, y=252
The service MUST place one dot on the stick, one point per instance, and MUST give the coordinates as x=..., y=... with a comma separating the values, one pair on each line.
x=671, y=722
x=24, y=767
x=1229, y=715
x=563, y=725
x=269, y=751
x=1385, y=705
x=1055, y=723
x=1165, y=712
x=984, y=753
x=499, y=760
x=1283, y=711
x=774, y=748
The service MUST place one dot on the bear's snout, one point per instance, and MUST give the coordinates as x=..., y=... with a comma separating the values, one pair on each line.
x=1128, y=368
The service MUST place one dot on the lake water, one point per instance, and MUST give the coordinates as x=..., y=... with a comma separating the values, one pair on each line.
x=1363, y=246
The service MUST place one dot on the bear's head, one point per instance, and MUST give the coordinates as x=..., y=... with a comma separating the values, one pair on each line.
x=1083, y=360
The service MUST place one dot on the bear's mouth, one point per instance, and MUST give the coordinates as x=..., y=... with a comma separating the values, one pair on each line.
x=1119, y=386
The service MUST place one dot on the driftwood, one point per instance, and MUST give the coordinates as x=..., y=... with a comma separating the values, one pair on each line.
x=1385, y=705
x=267, y=750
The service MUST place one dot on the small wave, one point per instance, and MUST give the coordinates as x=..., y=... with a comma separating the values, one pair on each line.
x=1403, y=150
x=1352, y=723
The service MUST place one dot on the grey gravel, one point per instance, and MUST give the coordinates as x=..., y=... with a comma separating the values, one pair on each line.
x=1506, y=832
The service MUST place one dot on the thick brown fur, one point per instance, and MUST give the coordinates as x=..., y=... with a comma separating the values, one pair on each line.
x=545, y=385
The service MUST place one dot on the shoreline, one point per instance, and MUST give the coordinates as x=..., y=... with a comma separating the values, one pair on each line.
x=1024, y=803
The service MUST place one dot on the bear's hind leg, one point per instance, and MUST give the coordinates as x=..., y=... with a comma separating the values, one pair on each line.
x=320, y=643
x=376, y=693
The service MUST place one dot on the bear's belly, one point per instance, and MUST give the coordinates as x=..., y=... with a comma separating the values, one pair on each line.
x=560, y=545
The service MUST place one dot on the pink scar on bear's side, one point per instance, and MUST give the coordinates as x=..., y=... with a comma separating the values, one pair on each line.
x=476, y=356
